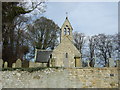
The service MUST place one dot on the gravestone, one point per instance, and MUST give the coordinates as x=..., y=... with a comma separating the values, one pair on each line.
x=18, y=63
x=46, y=64
x=1, y=63
x=31, y=64
x=111, y=62
x=37, y=64
x=52, y=62
x=25, y=64
x=96, y=65
x=117, y=63
x=5, y=64
x=13, y=65
x=88, y=63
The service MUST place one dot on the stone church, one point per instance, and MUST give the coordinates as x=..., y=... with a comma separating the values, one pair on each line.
x=65, y=54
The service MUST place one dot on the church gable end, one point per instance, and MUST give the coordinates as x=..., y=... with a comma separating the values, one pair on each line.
x=66, y=54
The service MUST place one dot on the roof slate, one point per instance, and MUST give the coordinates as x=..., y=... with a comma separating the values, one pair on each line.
x=43, y=56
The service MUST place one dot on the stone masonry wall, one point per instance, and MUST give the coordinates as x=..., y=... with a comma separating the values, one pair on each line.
x=59, y=54
x=61, y=78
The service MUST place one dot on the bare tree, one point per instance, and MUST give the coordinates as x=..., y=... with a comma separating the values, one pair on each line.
x=104, y=47
x=91, y=50
x=79, y=41
x=115, y=46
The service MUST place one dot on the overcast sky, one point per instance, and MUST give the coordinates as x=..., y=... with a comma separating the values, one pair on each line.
x=86, y=17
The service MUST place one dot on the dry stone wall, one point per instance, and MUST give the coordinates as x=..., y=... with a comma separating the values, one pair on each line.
x=61, y=78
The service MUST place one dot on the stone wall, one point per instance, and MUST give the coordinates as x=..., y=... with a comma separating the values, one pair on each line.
x=61, y=78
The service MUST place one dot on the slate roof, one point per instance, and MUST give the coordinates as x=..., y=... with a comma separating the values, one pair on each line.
x=43, y=56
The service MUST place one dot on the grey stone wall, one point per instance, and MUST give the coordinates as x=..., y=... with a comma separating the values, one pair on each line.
x=61, y=78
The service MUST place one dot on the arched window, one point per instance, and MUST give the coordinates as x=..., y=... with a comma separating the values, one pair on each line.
x=65, y=31
x=66, y=55
x=50, y=55
x=68, y=31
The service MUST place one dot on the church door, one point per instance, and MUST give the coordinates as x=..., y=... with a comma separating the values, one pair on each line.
x=77, y=62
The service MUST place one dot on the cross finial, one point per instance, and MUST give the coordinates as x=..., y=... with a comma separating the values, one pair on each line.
x=66, y=14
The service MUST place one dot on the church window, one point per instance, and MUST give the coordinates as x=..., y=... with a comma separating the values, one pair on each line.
x=50, y=55
x=66, y=55
x=68, y=31
x=65, y=31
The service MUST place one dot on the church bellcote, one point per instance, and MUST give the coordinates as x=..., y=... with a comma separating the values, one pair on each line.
x=66, y=30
